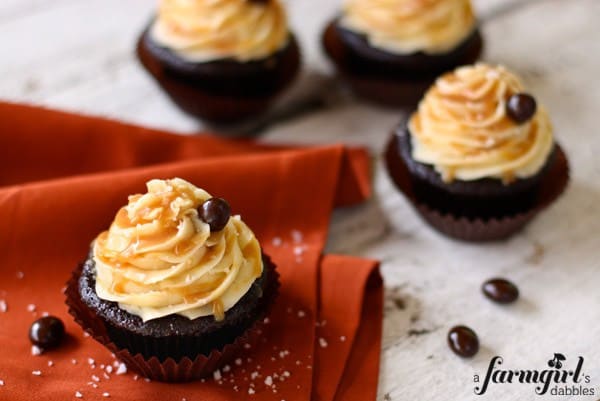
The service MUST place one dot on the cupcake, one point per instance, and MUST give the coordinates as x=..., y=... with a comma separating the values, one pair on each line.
x=175, y=285
x=478, y=148
x=224, y=61
x=390, y=51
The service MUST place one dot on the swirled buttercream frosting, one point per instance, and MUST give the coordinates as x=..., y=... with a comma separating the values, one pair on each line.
x=410, y=26
x=159, y=258
x=207, y=30
x=462, y=128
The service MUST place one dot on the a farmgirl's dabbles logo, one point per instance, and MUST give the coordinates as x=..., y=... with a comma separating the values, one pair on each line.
x=562, y=377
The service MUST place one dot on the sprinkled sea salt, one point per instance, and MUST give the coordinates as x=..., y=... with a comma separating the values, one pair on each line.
x=50, y=363
x=299, y=250
x=226, y=368
x=91, y=361
x=286, y=374
x=78, y=394
x=254, y=375
x=217, y=375
x=20, y=275
x=238, y=362
x=269, y=381
x=35, y=350
x=247, y=346
x=1, y=382
x=342, y=338
x=267, y=320
x=122, y=369
x=31, y=308
x=277, y=241
x=95, y=378
x=301, y=313
x=74, y=361
x=251, y=391
x=109, y=369
x=322, y=342
x=297, y=236
x=105, y=395
x=3, y=306
x=36, y=373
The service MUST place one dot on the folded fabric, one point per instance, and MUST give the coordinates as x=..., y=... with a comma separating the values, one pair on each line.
x=64, y=176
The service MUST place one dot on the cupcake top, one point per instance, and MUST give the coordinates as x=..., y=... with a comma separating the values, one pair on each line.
x=409, y=26
x=208, y=30
x=477, y=122
x=160, y=256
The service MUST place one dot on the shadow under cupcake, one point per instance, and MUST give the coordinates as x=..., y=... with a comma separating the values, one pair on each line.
x=478, y=159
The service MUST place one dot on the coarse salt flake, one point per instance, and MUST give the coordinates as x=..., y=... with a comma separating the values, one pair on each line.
x=35, y=350
x=322, y=342
x=78, y=394
x=122, y=369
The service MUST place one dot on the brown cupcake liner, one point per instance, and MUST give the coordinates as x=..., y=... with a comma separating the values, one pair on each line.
x=392, y=93
x=218, y=108
x=168, y=370
x=552, y=185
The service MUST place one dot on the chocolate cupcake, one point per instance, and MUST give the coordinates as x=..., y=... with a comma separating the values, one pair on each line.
x=224, y=61
x=478, y=148
x=390, y=52
x=174, y=282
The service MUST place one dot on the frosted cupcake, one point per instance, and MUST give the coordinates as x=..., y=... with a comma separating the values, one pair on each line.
x=175, y=279
x=221, y=60
x=479, y=146
x=390, y=51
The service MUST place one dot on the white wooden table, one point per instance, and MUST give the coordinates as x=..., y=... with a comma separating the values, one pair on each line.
x=78, y=55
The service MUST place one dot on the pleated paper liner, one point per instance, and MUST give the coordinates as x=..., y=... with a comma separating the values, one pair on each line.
x=220, y=109
x=168, y=370
x=552, y=186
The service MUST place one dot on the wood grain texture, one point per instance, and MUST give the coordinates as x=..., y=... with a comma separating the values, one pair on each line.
x=79, y=56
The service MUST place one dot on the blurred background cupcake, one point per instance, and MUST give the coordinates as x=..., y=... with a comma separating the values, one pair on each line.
x=479, y=148
x=224, y=61
x=390, y=51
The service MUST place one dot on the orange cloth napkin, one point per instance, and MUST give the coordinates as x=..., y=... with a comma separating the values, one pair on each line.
x=63, y=178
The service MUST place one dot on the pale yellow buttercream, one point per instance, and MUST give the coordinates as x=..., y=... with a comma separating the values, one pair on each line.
x=462, y=127
x=409, y=26
x=159, y=258
x=206, y=30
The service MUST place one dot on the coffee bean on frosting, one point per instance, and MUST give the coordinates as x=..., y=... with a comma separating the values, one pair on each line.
x=521, y=107
x=215, y=212
x=463, y=341
x=47, y=332
x=500, y=290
